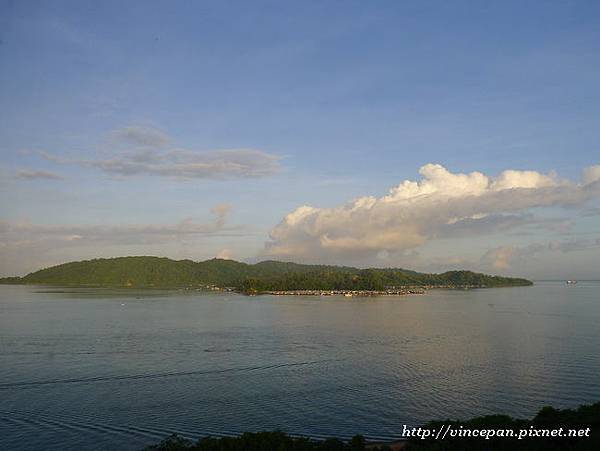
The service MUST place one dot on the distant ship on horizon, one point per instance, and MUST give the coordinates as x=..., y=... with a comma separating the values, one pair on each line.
x=571, y=282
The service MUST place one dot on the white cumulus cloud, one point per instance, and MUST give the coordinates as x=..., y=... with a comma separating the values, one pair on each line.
x=225, y=254
x=591, y=174
x=441, y=204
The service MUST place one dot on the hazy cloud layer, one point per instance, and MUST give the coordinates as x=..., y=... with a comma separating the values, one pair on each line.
x=142, y=151
x=185, y=164
x=504, y=257
x=25, y=245
x=29, y=174
x=140, y=136
x=441, y=204
x=24, y=234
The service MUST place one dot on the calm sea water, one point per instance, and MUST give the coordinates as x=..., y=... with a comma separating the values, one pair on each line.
x=100, y=369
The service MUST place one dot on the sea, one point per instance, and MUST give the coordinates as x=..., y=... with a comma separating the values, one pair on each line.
x=100, y=369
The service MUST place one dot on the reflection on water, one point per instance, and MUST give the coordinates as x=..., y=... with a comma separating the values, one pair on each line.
x=89, y=368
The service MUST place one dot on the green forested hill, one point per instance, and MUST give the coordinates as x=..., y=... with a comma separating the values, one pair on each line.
x=268, y=275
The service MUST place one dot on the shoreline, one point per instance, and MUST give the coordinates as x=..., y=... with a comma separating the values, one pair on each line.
x=402, y=291
x=346, y=293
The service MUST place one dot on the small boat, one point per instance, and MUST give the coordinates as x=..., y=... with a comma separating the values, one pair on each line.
x=571, y=282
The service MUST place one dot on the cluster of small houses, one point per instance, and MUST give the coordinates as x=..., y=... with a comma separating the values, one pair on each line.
x=392, y=291
x=347, y=293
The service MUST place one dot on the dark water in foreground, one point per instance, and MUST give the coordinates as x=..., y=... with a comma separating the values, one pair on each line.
x=98, y=369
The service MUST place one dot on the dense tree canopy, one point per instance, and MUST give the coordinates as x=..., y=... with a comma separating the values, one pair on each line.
x=268, y=275
x=584, y=417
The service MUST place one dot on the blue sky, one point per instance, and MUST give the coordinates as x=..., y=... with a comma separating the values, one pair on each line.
x=312, y=103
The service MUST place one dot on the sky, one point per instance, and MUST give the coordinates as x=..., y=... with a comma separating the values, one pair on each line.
x=430, y=135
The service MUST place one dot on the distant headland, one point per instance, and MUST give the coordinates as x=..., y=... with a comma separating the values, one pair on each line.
x=270, y=277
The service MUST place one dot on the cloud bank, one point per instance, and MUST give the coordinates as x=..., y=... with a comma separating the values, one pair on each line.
x=441, y=204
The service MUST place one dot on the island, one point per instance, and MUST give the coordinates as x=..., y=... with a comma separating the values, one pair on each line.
x=267, y=277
